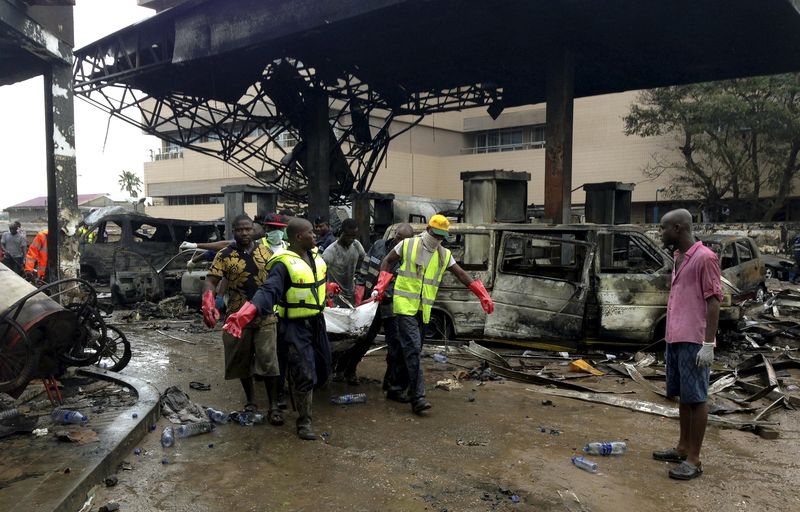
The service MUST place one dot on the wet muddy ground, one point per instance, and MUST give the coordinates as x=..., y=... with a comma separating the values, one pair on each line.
x=477, y=449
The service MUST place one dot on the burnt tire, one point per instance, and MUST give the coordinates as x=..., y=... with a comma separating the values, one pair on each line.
x=115, y=352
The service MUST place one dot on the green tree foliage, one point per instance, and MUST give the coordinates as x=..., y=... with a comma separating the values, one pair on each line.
x=737, y=140
x=129, y=182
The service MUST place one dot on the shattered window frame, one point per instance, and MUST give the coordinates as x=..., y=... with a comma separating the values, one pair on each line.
x=571, y=250
x=634, y=240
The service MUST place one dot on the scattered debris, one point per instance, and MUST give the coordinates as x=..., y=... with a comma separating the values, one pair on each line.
x=579, y=365
x=111, y=480
x=471, y=442
x=179, y=408
x=77, y=436
x=175, y=337
x=448, y=384
x=109, y=507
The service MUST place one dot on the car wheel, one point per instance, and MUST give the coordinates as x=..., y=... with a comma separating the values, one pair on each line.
x=769, y=273
x=761, y=294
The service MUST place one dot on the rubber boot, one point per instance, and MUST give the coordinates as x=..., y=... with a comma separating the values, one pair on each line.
x=303, y=403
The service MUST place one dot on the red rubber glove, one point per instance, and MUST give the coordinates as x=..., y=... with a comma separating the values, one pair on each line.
x=479, y=290
x=209, y=309
x=360, y=290
x=384, y=278
x=237, y=321
x=333, y=289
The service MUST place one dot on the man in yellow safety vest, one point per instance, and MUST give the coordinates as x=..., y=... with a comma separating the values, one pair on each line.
x=297, y=285
x=423, y=261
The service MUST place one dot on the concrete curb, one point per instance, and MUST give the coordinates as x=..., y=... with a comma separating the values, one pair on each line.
x=124, y=432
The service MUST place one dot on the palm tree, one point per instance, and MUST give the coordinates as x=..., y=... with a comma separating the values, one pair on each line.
x=130, y=182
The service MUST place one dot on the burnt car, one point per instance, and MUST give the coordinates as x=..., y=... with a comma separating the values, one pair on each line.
x=558, y=286
x=741, y=264
x=134, y=279
x=156, y=240
x=778, y=267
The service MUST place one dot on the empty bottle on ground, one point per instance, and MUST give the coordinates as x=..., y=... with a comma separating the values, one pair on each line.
x=193, y=429
x=247, y=418
x=167, y=437
x=584, y=464
x=440, y=358
x=606, y=448
x=353, y=398
x=66, y=416
x=217, y=416
x=9, y=413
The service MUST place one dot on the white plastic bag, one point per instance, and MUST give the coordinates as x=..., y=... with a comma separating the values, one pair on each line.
x=350, y=321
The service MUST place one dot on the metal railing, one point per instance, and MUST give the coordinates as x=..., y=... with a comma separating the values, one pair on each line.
x=499, y=148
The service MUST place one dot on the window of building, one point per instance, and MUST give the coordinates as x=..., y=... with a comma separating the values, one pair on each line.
x=194, y=199
x=286, y=139
x=507, y=139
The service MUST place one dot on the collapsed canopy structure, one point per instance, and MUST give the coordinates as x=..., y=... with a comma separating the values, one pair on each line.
x=250, y=73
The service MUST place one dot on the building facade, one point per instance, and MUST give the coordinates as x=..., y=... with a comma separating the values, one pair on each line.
x=427, y=159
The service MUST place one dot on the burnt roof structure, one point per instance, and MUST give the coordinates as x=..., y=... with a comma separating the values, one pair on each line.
x=229, y=68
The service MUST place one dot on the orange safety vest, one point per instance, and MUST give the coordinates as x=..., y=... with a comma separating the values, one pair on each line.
x=37, y=254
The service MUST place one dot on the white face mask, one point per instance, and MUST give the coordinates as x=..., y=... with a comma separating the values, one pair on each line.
x=275, y=237
x=430, y=242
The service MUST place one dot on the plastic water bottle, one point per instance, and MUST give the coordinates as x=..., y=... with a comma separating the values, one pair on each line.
x=584, y=464
x=353, y=398
x=247, y=418
x=606, y=448
x=9, y=413
x=440, y=358
x=193, y=429
x=217, y=416
x=167, y=437
x=65, y=416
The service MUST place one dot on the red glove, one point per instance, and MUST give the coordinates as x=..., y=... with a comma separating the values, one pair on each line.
x=360, y=290
x=479, y=290
x=237, y=321
x=209, y=309
x=333, y=289
x=384, y=278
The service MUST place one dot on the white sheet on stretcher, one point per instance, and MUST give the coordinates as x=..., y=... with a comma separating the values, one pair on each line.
x=350, y=321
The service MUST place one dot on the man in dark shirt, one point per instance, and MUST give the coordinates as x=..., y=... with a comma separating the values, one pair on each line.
x=395, y=380
x=297, y=286
x=324, y=234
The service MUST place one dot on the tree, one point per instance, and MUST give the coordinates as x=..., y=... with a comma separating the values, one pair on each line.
x=737, y=141
x=129, y=182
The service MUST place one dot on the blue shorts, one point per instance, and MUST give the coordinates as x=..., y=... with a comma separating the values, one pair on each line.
x=684, y=378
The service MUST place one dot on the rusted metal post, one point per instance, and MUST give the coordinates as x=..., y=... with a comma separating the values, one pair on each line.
x=63, y=216
x=318, y=159
x=558, y=152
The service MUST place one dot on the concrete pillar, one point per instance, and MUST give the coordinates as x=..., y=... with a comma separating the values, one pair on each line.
x=234, y=205
x=361, y=202
x=318, y=159
x=266, y=202
x=63, y=215
x=558, y=151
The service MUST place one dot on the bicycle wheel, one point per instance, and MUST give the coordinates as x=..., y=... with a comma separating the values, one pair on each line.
x=115, y=352
x=17, y=356
x=88, y=340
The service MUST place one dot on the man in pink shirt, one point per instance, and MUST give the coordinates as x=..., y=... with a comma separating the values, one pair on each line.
x=692, y=319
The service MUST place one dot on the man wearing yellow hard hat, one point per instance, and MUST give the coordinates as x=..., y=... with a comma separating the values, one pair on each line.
x=423, y=261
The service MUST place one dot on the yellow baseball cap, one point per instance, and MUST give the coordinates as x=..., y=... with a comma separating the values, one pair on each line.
x=439, y=225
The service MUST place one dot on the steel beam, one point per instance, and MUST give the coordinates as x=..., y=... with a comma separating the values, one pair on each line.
x=558, y=151
x=32, y=37
x=318, y=155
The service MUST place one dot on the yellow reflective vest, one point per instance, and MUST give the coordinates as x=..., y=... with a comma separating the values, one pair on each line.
x=416, y=286
x=306, y=295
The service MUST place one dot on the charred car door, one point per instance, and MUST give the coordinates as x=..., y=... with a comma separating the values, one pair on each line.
x=540, y=287
x=632, y=286
x=133, y=279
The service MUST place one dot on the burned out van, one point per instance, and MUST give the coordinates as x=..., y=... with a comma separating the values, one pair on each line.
x=557, y=285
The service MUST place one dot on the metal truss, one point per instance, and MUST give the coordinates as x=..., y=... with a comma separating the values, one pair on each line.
x=262, y=134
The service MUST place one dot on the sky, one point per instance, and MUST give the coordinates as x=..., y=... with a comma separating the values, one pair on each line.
x=22, y=133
